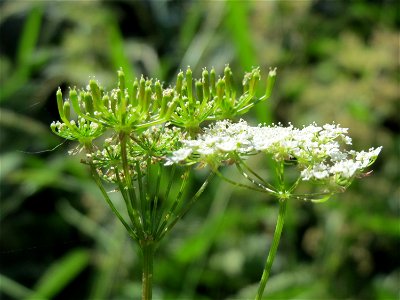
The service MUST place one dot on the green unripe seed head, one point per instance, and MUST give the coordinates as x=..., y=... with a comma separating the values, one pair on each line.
x=121, y=80
x=255, y=77
x=228, y=77
x=199, y=90
x=189, y=84
x=113, y=104
x=67, y=110
x=73, y=97
x=96, y=94
x=179, y=82
x=171, y=106
x=134, y=98
x=270, y=82
x=159, y=93
x=206, y=84
x=106, y=101
x=60, y=105
x=166, y=100
x=88, y=103
x=213, y=82
x=142, y=87
x=147, y=99
x=220, y=88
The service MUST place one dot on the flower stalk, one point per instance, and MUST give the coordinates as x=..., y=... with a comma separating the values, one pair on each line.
x=274, y=247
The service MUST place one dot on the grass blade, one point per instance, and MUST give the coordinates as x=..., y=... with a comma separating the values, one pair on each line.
x=60, y=274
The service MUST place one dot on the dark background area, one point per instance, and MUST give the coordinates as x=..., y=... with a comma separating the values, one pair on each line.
x=337, y=61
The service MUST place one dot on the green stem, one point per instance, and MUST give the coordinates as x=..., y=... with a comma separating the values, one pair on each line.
x=171, y=211
x=264, y=182
x=258, y=184
x=186, y=208
x=273, y=249
x=131, y=204
x=154, y=223
x=132, y=232
x=148, y=249
x=257, y=188
x=159, y=215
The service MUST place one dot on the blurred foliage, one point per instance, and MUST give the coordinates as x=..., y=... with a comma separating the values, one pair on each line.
x=337, y=61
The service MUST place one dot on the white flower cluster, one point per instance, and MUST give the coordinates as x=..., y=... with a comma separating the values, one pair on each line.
x=317, y=150
x=215, y=144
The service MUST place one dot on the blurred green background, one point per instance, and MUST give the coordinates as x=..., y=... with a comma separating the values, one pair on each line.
x=337, y=61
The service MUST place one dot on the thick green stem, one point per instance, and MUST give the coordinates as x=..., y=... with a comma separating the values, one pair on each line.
x=273, y=249
x=147, y=274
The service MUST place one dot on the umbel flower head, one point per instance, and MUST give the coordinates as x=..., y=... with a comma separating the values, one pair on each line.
x=145, y=118
x=319, y=152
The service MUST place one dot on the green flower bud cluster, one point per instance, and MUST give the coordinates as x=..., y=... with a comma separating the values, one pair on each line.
x=129, y=110
x=85, y=129
x=215, y=99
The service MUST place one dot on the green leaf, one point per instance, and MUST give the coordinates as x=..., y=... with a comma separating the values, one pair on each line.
x=377, y=223
x=196, y=245
x=237, y=22
x=13, y=288
x=60, y=274
x=117, y=53
x=26, y=47
x=30, y=35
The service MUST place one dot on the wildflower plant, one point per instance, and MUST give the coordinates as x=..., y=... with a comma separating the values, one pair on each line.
x=128, y=135
x=146, y=141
